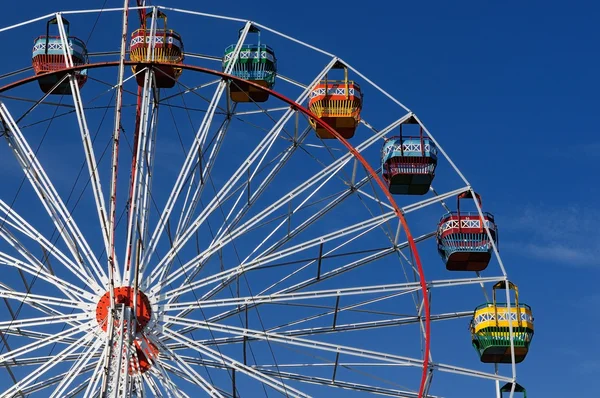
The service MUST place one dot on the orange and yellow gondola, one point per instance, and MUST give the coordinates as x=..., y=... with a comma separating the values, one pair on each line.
x=337, y=103
x=166, y=48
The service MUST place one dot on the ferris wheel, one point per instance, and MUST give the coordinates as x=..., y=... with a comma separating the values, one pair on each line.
x=233, y=218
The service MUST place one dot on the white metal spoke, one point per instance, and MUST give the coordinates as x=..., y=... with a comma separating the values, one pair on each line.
x=153, y=386
x=332, y=382
x=275, y=298
x=205, y=173
x=161, y=269
x=90, y=157
x=256, y=194
x=82, y=362
x=405, y=210
x=113, y=269
x=38, y=305
x=193, y=375
x=39, y=299
x=339, y=310
x=44, y=342
x=14, y=220
x=27, y=380
x=227, y=223
x=339, y=246
x=34, y=266
x=76, y=391
x=254, y=264
x=259, y=152
x=39, y=360
x=263, y=185
x=279, y=109
x=63, y=38
x=257, y=155
x=39, y=272
x=244, y=302
x=149, y=157
x=292, y=233
x=47, y=320
x=331, y=274
x=47, y=194
x=161, y=373
x=50, y=381
x=137, y=178
x=238, y=366
x=327, y=275
x=316, y=279
x=94, y=381
x=326, y=174
x=339, y=328
x=170, y=369
x=196, y=147
x=346, y=350
x=30, y=334
x=343, y=384
x=340, y=198
x=197, y=144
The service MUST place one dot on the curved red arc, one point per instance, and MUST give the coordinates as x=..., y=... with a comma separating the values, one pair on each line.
x=324, y=125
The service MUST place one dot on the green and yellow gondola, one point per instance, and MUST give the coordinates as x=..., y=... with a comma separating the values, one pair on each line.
x=490, y=328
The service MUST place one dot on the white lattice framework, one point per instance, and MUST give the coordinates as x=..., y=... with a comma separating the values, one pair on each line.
x=269, y=259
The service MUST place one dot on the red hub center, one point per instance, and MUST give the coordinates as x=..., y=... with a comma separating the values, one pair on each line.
x=124, y=295
x=145, y=350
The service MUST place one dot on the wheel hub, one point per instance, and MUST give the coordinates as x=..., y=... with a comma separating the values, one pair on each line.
x=145, y=350
x=125, y=295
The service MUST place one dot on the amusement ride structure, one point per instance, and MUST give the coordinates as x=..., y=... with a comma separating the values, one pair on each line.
x=234, y=220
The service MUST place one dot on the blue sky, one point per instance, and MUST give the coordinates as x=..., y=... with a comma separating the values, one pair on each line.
x=510, y=89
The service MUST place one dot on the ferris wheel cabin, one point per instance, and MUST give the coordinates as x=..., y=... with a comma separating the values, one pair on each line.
x=337, y=103
x=408, y=164
x=255, y=63
x=507, y=388
x=168, y=49
x=463, y=242
x=49, y=56
x=490, y=329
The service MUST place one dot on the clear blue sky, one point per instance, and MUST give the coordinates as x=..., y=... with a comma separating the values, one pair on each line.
x=511, y=91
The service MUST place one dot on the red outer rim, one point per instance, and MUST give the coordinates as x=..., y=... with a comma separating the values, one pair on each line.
x=308, y=113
